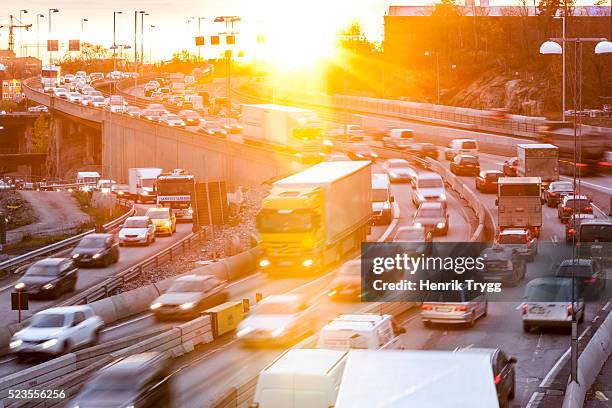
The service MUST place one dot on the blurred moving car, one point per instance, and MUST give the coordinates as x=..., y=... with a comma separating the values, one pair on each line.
x=573, y=226
x=347, y=282
x=399, y=170
x=361, y=331
x=98, y=101
x=556, y=191
x=510, y=167
x=96, y=250
x=588, y=274
x=56, y=331
x=428, y=187
x=361, y=151
x=566, y=208
x=172, y=120
x=382, y=199
x=233, y=128
x=137, y=230
x=465, y=164
x=461, y=146
x=278, y=319
x=60, y=93
x=140, y=380
x=548, y=302
x=189, y=296
x=423, y=150
x=74, y=97
x=335, y=156
x=504, y=375
x=50, y=277
x=458, y=306
x=411, y=234
x=501, y=265
x=133, y=111
x=190, y=117
x=398, y=138
x=163, y=219
x=486, y=182
x=520, y=241
x=432, y=217
x=350, y=132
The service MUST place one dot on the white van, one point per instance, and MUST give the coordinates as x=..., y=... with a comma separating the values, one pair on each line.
x=360, y=331
x=382, y=199
x=398, y=138
x=461, y=146
x=301, y=378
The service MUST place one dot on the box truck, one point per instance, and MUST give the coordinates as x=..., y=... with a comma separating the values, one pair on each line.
x=519, y=203
x=314, y=218
x=538, y=160
x=294, y=129
x=140, y=183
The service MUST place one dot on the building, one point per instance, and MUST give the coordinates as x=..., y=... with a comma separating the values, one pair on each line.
x=11, y=90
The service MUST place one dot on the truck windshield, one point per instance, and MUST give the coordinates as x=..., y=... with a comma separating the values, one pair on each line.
x=550, y=292
x=294, y=221
x=170, y=187
x=561, y=187
x=519, y=190
x=512, y=239
x=469, y=145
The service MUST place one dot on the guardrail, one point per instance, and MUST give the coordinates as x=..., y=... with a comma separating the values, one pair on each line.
x=20, y=260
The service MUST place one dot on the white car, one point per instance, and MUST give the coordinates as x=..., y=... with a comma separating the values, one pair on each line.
x=277, y=319
x=548, y=302
x=428, y=187
x=86, y=100
x=137, y=230
x=74, y=97
x=56, y=331
x=115, y=75
x=60, y=93
x=38, y=108
x=98, y=101
x=172, y=120
x=399, y=171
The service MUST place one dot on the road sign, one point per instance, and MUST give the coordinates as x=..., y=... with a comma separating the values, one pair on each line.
x=214, y=40
x=230, y=39
x=199, y=40
x=17, y=303
x=52, y=45
x=74, y=45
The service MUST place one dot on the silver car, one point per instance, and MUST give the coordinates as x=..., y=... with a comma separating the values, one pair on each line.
x=520, y=241
x=549, y=302
x=454, y=307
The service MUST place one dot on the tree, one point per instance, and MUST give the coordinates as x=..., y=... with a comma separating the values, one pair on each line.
x=40, y=134
x=446, y=8
x=184, y=56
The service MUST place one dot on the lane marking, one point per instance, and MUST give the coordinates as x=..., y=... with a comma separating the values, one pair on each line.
x=535, y=396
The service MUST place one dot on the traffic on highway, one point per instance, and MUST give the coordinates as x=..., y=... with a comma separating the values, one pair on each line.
x=319, y=232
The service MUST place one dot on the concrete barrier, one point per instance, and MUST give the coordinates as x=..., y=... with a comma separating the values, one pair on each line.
x=590, y=362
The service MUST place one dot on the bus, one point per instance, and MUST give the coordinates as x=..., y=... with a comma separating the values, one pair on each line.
x=174, y=191
x=50, y=77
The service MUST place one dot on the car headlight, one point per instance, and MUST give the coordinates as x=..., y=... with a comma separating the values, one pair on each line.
x=244, y=331
x=190, y=210
x=393, y=174
x=440, y=225
x=15, y=343
x=359, y=155
x=48, y=286
x=374, y=155
x=145, y=193
x=75, y=256
x=307, y=263
x=328, y=143
x=168, y=224
x=418, y=224
x=278, y=332
x=49, y=343
x=96, y=256
x=187, y=306
x=386, y=205
x=443, y=196
x=156, y=305
x=20, y=286
x=264, y=262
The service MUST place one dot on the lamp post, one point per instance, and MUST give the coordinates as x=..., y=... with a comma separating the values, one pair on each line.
x=552, y=47
x=189, y=20
x=114, y=47
x=51, y=12
x=427, y=54
x=230, y=22
x=83, y=21
x=142, y=42
x=21, y=13
x=151, y=27
x=136, y=45
x=562, y=18
x=38, y=17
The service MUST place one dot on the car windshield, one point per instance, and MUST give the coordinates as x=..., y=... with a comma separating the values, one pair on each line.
x=397, y=165
x=276, y=308
x=596, y=233
x=93, y=242
x=285, y=221
x=580, y=203
x=158, y=214
x=380, y=194
x=48, y=320
x=135, y=223
x=430, y=183
x=187, y=286
x=512, y=239
x=429, y=213
x=577, y=270
x=469, y=145
x=559, y=291
x=561, y=187
x=42, y=270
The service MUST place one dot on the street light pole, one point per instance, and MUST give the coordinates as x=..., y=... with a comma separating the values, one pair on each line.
x=142, y=42
x=115, y=38
x=51, y=11
x=83, y=21
x=38, y=17
x=21, y=13
x=151, y=27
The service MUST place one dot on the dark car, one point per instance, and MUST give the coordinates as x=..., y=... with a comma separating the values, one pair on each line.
x=50, y=277
x=486, y=182
x=556, y=191
x=189, y=296
x=573, y=226
x=140, y=380
x=96, y=250
x=510, y=167
x=587, y=273
x=572, y=204
x=465, y=164
x=596, y=240
x=503, y=372
x=423, y=150
x=433, y=217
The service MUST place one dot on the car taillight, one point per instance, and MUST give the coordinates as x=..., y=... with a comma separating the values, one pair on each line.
x=525, y=308
x=569, y=309
x=571, y=231
x=461, y=309
x=567, y=209
x=554, y=194
x=426, y=307
x=588, y=209
x=497, y=379
x=590, y=281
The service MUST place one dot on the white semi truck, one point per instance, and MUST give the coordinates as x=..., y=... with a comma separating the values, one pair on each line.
x=538, y=160
x=140, y=183
x=294, y=129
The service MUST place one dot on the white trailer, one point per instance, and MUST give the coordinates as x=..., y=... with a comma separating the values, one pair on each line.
x=295, y=129
x=141, y=181
x=538, y=160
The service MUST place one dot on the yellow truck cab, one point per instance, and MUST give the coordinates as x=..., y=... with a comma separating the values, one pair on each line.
x=314, y=218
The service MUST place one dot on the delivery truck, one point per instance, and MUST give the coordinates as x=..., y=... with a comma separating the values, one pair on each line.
x=140, y=183
x=316, y=217
x=538, y=160
x=519, y=203
x=293, y=129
